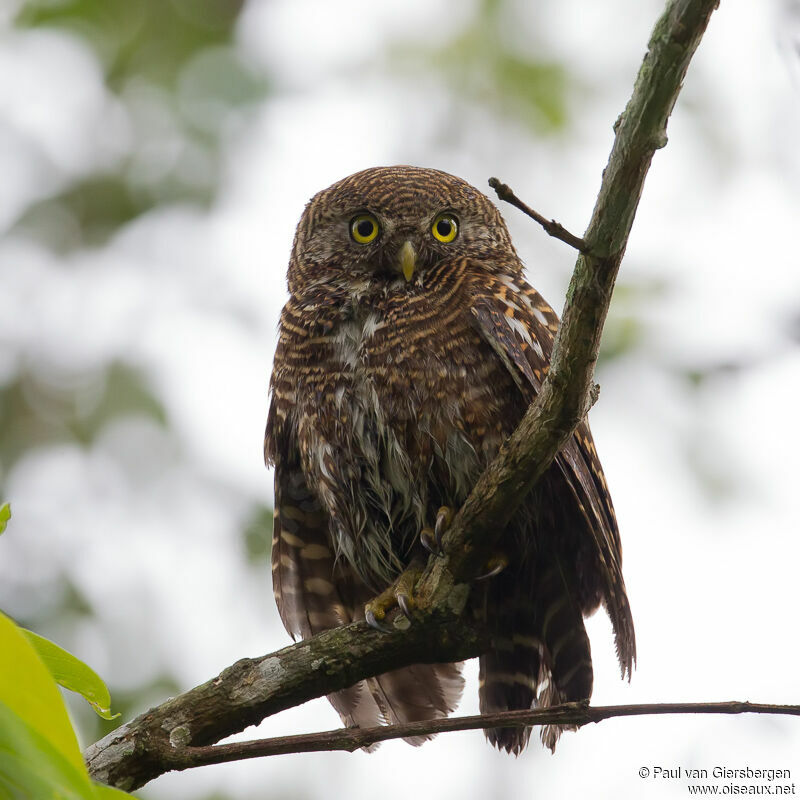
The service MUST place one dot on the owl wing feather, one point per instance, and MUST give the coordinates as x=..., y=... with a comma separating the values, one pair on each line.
x=520, y=327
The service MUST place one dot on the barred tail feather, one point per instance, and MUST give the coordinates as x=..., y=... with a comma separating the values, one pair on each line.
x=507, y=682
x=509, y=671
x=419, y=692
x=540, y=655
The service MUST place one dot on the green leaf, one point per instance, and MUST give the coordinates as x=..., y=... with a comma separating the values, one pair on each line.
x=5, y=516
x=73, y=674
x=28, y=691
x=32, y=767
x=103, y=792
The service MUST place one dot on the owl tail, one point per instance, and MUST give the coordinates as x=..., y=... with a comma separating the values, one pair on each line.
x=540, y=655
x=411, y=694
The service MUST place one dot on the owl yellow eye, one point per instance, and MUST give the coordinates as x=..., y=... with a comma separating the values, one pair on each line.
x=445, y=228
x=364, y=228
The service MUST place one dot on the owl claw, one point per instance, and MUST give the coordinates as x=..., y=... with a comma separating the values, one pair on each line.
x=495, y=565
x=373, y=622
x=428, y=541
x=444, y=516
x=431, y=540
x=399, y=596
x=404, y=601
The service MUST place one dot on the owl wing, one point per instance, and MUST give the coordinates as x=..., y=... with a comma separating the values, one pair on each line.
x=520, y=327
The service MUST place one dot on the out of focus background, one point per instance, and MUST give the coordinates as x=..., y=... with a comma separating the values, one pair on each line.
x=154, y=158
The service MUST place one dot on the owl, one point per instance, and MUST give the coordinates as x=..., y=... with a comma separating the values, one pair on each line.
x=409, y=349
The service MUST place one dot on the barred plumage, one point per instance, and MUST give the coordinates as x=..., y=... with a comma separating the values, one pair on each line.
x=403, y=362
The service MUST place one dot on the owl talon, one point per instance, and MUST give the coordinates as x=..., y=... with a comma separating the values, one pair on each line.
x=494, y=566
x=404, y=601
x=444, y=517
x=375, y=623
x=431, y=540
x=398, y=597
x=428, y=540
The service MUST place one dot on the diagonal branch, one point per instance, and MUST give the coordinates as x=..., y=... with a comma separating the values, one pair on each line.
x=566, y=393
x=251, y=689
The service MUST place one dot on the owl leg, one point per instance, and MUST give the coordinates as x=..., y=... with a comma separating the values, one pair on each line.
x=400, y=594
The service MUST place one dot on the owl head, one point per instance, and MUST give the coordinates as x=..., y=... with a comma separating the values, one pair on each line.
x=392, y=225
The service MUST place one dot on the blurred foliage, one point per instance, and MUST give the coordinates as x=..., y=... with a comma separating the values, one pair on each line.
x=698, y=377
x=74, y=601
x=181, y=89
x=481, y=65
x=58, y=610
x=151, y=39
x=257, y=535
x=706, y=452
x=85, y=213
x=625, y=329
x=67, y=407
x=181, y=82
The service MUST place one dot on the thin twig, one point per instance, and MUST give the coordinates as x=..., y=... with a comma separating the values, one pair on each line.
x=351, y=739
x=555, y=229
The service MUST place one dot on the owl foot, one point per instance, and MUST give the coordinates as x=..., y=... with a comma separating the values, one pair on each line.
x=431, y=540
x=400, y=595
x=494, y=566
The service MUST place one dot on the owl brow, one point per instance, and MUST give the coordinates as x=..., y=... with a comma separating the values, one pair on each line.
x=447, y=210
x=349, y=213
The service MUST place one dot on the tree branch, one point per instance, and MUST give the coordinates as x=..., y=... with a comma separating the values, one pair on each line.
x=565, y=395
x=251, y=689
x=255, y=688
x=351, y=739
x=553, y=228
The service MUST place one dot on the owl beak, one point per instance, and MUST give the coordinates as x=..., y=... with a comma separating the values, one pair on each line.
x=407, y=259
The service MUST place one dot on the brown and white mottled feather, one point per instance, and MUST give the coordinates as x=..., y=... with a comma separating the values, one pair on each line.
x=389, y=397
x=315, y=592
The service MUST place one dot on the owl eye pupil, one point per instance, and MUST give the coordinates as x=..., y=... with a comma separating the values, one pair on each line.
x=445, y=227
x=364, y=228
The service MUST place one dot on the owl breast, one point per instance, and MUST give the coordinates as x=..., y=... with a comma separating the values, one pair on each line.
x=411, y=421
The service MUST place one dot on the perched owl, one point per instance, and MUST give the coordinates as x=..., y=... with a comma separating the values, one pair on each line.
x=409, y=350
